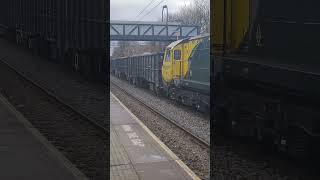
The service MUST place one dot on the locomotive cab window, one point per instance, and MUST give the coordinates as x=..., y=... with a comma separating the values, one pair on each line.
x=168, y=55
x=177, y=54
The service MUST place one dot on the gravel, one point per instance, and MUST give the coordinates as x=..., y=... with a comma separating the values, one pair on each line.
x=195, y=122
x=88, y=97
x=81, y=142
x=191, y=153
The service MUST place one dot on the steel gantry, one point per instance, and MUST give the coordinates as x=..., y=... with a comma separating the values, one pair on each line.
x=150, y=31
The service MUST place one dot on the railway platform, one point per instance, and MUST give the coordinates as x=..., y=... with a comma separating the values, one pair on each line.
x=26, y=154
x=136, y=153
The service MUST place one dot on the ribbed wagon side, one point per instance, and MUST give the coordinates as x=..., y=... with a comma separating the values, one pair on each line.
x=153, y=64
x=3, y=17
x=142, y=70
x=68, y=31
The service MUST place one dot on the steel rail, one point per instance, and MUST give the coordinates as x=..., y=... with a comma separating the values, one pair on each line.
x=52, y=95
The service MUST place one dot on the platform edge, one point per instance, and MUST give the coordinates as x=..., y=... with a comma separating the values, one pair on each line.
x=55, y=152
x=172, y=154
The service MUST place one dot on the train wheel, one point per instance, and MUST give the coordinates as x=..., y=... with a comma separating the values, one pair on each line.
x=30, y=43
x=153, y=87
x=76, y=62
x=171, y=93
x=167, y=93
x=201, y=107
x=18, y=38
x=182, y=100
x=134, y=82
x=198, y=107
x=157, y=91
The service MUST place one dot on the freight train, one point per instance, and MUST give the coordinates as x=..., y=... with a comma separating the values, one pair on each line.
x=182, y=72
x=71, y=32
x=266, y=73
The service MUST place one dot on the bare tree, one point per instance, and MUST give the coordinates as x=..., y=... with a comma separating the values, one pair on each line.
x=197, y=13
x=119, y=51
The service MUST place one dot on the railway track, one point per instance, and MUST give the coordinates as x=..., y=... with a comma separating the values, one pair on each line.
x=79, y=138
x=195, y=138
x=52, y=95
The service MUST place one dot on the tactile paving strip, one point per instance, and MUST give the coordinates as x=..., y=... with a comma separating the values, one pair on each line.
x=118, y=155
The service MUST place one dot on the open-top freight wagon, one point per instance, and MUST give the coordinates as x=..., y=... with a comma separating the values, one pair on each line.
x=143, y=71
x=69, y=31
x=266, y=72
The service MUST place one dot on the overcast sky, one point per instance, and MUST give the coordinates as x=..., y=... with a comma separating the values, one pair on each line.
x=129, y=9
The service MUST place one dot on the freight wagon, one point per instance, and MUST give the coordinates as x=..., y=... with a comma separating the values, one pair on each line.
x=142, y=71
x=72, y=32
x=267, y=72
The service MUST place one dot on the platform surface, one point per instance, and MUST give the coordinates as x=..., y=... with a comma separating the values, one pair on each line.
x=25, y=154
x=136, y=154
